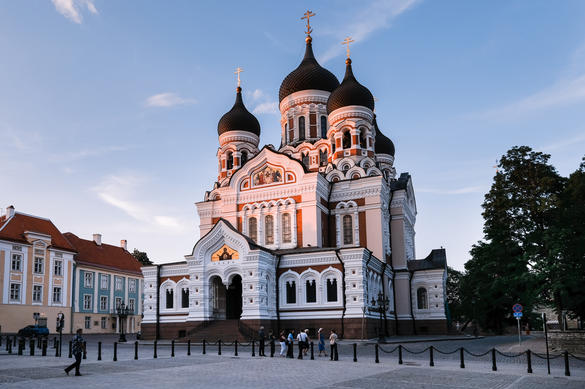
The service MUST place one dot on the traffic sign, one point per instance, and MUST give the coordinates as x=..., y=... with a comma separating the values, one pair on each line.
x=517, y=314
x=517, y=308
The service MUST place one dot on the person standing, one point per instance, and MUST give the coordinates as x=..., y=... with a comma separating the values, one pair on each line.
x=301, y=344
x=333, y=344
x=77, y=347
x=262, y=338
x=321, y=342
x=290, y=344
x=272, y=339
x=282, y=341
x=306, y=340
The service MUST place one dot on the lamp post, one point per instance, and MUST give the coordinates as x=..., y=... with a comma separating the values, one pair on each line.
x=381, y=308
x=122, y=311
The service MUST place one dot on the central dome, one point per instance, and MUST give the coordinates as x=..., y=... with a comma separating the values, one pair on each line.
x=350, y=92
x=238, y=118
x=308, y=75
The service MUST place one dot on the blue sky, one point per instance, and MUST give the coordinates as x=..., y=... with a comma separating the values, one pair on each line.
x=109, y=109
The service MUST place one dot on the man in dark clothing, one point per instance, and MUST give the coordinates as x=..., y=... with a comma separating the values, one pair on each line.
x=262, y=337
x=78, y=344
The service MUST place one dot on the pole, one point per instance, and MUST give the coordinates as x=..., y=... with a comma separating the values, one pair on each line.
x=136, y=349
x=154, y=347
x=377, y=353
x=115, y=351
x=189, y=347
x=546, y=341
x=519, y=334
x=236, y=347
x=173, y=348
x=355, y=352
x=99, y=351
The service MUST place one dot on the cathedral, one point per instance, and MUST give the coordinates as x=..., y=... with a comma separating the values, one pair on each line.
x=317, y=233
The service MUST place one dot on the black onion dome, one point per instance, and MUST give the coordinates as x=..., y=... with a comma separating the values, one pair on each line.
x=238, y=118
x=382, y=144
x=308, y=75
x=350, y=92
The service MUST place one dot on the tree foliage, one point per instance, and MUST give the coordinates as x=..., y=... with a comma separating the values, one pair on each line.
x=142, y=257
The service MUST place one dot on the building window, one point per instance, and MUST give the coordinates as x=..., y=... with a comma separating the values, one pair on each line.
x=39, y=265
x=244, y=158
x=104, y=323
x=347, y=229
x=346, y=140
x=291, y=292
x=131, y=305
x=269, y=229
x=421, y=298
x=37, y=295
x=286, y=139
x=58, y=268
x=57, y=294
x=87, y=322
x=311, y=290
x=305, y=159
x=323, y=158
x=332, y=144
x=253, y=229
x=103, y=303
x=88, y=280
x=118, y=302
x=331, y=290
x=230, y=160
x=169, y=299
x=185, y=298
x=363, y=144
x=286, y=228
x=87, y=301
x=16, y=262
x=132, y=286
x=119, y=282
x=301, y=128
x=104, y=281
x=323, y=127
x=14, y=292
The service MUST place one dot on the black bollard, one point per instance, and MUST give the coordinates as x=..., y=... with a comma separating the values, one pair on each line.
x=312, y=352
x=99, y=351
x=400, y=354
x=376, y=347
x=136, y=350
x=462, y=360
x=355, y=352
x=566, y=355
x=31, y=345
x=253, y=349
x=494, y=367
x=70, y=349
x=154, y=348
x=219, y=347
x=431, y=357
x=188, y=346
x=84, y=350
x=203, y=346
x=529, y=361
x=236, y=347
x=57, y=349
x=44, y=352
x=115, y=351
x=173, y=348
x=20, y=346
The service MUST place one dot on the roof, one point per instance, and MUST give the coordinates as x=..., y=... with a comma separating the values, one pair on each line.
x=105, y=256
x=401, y=182
x=437, y=259
x=238, y=118
x=13, y=229
x=382, y=144
x=350, y=92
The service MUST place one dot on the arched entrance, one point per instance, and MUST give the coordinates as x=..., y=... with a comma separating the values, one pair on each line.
x=218, y=298
x=234, y=298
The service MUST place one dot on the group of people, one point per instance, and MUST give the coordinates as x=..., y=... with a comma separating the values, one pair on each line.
x=303, y=341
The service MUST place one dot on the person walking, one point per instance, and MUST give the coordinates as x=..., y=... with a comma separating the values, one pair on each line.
x=333, y=344
x=290, y=344
x=272, y=339
x=306, y=340
x=301, y=342
x=321, y=337
x=262, y=338
x=282, y=340
x=77, y=347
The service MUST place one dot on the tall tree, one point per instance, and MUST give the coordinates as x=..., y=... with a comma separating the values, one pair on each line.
x=142, y=257
x=454, y=294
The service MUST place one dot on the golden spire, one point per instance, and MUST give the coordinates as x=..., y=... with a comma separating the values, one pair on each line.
x=308, y=16
x=238, y=71
x=347, y=41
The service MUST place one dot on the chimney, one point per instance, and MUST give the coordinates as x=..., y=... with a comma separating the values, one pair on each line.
x=124, y=244
x=9, y=211
x=97, y=238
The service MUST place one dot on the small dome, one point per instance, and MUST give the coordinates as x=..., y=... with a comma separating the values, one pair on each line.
x=350, y=92
x=382, y=144
x=238, y=118
x=308, y=75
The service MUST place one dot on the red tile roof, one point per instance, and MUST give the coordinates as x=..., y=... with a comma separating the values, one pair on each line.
x=13, y=230
x=104, y=256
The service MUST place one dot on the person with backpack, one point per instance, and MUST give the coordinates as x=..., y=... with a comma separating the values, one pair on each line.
x=77, y=347
x=333, y=344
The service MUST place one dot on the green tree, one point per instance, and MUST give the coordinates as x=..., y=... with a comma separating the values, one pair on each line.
x=142, y=257
x=454, y=294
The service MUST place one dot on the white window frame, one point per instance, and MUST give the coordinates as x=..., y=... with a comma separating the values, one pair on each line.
x=19, y=261
x=59, y=294
x=118, y=283
x=87, y=322
x=18, y=299
x=103, y=307
x=58, y=267
x=38, y=261
x=118, y=301
x=131, y=285
x=39, y=295
x=104, y=322
x=104, y=281
x=131, y=305
x=87, y=302
x=87, y=279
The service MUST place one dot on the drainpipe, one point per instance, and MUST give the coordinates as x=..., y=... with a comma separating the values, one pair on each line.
x=74, y=267
x=277, y=277
x=157, y=335
x=411, y=274
x=343, y=288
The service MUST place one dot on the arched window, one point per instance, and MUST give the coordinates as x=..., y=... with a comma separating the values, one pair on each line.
x=286, y=133
x=244, y=157
x=346, y=140
x=323, y=127
x=311, y=291
x=286, y=228
x=291, y=292
x=185, y=298
x=170, y=299
x=253, y=229
x=331, y=289
x=305, y=159
x=332, y=144
x=230, y=161
x=323, y=157
x=363, y=144
x=301, y=128
x=421, y=298
x=347, y=229
x=268, y=229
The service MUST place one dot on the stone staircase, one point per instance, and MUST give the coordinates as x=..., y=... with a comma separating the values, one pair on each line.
x=226, y=330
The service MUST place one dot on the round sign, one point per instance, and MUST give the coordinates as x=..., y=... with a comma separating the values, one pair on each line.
x=517, y=308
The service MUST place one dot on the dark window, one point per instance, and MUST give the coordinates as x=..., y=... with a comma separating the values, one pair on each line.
x=363, y=138
x=332, y=144
x=169, y=299
x=312, y=125
x=286, y=229
x=421, y=298
x=323, y=157
x=253, y=229
x=311, y=291
x=306, y=160
x=346, y=140
x=331, y=290
x=347, y=229
x=244, y=158
x=286, y=133
x=302, y=128
x=291, y=292
x=230, y=160
x=269, y=229
x=185, y=298
x=323, y=127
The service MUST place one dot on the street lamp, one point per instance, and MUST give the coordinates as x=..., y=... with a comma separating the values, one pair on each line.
x=382, y=307
x=122, y=310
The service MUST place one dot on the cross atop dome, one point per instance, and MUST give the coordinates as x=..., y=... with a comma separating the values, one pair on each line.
x=238, y=71
x=347, y=41
x=308, y=16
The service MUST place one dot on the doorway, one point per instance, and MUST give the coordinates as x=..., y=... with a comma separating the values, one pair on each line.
x=234, y=298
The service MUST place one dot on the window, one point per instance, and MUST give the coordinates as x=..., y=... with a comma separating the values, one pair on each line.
x=57, y=294
x=301, y=128
x=169, y=299
x=103, y=303
x=37, y=295
x=230, y=160
x=118, y=302
x=323, y=127
x=15, y=292
x=347, y=229
x=331, y=290
x=119, y=283
x=16, y=262
x=363, y=138
x=87, y=301
x=291, y=292
x=421, y=298
x=244, y=158
x=323, y=158
x=286, y=229
x=104, y=281
x=305, y=159
x=58, y=268
x=87, y=322
x=253, y=229
x=346, y=140
x=286, y=139
x=88, y=280
x=311, y=290
x=132, y=286
x=131, y=305
x=39, y=265
x=185, y=298
x=104, y=323
x=268, y=229
x=332, y=144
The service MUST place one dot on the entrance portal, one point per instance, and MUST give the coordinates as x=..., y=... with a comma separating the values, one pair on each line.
x=234, y=298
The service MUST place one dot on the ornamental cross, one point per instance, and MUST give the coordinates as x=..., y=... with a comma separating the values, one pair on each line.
x=308, y=16
x=347, y=41
x=238, y=71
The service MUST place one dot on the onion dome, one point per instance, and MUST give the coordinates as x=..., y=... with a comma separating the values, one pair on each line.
x=382, y=144
x=350, y=92
x=238, y=118
x=308, y=75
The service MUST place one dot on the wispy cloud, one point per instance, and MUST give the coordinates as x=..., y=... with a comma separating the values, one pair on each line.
x=168, y=99
x=72, y=9
x=270, y=107
x=22, y=141
x=256, y=94
x=459, y=191
x=378, y=15
x=87, y=153
x=263, y=103
x=561, y=144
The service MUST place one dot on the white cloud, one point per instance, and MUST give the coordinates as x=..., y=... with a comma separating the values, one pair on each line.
x=256, y=94
x=72, y=9
x=378, y=15
x=86, y=153
x=459, y=191
x=563, y=143
x=168, y=99
x=270, y=107
x=23, y=141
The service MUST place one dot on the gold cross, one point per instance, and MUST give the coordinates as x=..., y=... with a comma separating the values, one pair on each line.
x=238, y=71
x=308, y=16
x=347, y=41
